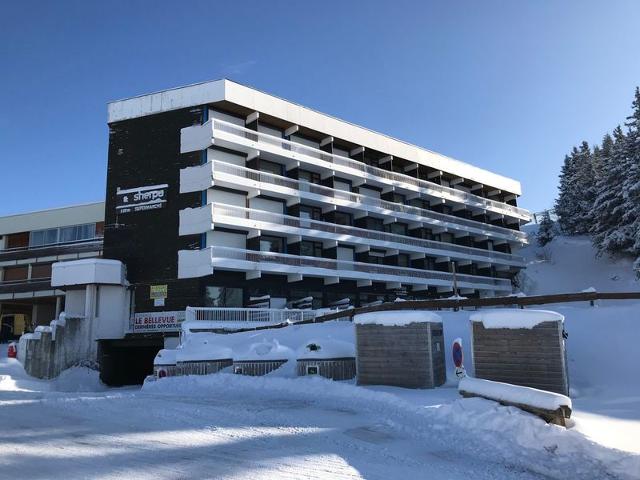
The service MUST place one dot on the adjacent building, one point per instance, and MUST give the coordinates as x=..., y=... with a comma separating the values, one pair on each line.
x=221, y=195
x=29, y=244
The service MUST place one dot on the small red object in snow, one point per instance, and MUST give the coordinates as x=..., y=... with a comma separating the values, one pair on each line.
x=162, y=373
x=12, y=351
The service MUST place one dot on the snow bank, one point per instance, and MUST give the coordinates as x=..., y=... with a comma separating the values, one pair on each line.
x=514, y=318
x=78, y=379
x=325, y=349
x=266, y=350
x=514, y=393
x=202, y=347
x=396, y=318
x=165, y=357
x=463, y=427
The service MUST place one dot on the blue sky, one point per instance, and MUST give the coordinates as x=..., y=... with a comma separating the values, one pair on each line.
x=505, y=85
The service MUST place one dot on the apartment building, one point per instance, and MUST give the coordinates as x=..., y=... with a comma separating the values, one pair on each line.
x=227, y=196
x=29, y=244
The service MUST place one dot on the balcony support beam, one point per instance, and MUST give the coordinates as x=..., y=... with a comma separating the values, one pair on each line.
x=252, y=118
x=410, y=168
x=436, y=174
x=253, y=275
x=254, y=233
x=291, y=239
x=331, y=280
x=391, y=252
x=291, y=130
x=364, y=283
x=443, y=259
x=294, y=277
x=356, y=151
x=419, y=288
x=508, y=198
x=493, y=193
x=253, y=153
x=456, y=181
x=393, y=286
x=362, y=248
x=386, y=159
x=326, y=141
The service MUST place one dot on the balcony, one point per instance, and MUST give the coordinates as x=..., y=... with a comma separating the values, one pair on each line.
x=218, y=132
x=55, y=252
x=203, y=219
x=27, y=288
x=193, y=179
x=200, y=263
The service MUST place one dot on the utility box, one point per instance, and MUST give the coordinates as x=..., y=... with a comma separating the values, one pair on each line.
x=521, y=347
x=402, y=348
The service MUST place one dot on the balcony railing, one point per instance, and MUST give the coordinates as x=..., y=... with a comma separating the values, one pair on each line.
x=261, y=315
x=422, y=215
x=236, y=215
x=340, y=163
x=81, y=246
x=227, y=258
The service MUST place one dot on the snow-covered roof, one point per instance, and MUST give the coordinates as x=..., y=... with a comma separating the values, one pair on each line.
x=514, y=318
x=326, y=348
x=397, y=318
x=268, y=350
x=256, y=100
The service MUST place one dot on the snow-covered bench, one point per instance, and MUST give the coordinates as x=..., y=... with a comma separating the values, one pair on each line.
x=552, y=407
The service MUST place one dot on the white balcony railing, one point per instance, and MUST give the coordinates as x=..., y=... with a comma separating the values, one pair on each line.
x=225, y=131
x=234, y=176
x=198, y=263
x=199, y=220
x=259, y=315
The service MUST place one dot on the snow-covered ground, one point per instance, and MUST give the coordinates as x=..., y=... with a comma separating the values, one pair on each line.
x=278, y=426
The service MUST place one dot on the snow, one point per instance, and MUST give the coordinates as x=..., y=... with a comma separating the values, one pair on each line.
x=165, y=357
x=569, y=264
x=202, y=347
x=397, y=318
x=514, y=318
x=325, y=349
x=514, y=393
x=265, y=350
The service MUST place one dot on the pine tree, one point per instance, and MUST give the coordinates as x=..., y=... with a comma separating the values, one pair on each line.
x=545, y=231
x=607, y=208
x=577, y=191
x=631, y=185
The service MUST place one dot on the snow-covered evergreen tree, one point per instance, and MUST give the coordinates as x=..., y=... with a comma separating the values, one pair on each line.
x=631, y=185
x=545, y=230
x=577, y=191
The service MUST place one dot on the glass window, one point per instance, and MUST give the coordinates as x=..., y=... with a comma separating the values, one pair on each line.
x=311, y=213
x=403, y=260
x=41, y=271
x=342, y=185
x=311, y=249
x=68, y=234
x=397, y=228
x=307, y=176
x=271, y=244
x=271, y=167
x=341, y=218
x=223, y=297
x=376, y=256
x=52, y=236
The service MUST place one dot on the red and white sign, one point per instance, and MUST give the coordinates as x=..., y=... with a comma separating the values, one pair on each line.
x=458, y=357
x=157, y=322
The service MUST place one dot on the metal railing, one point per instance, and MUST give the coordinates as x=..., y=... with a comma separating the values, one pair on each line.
x=429, y=188
x=264, y=258
x=266, y=315
x=235, y=212
x=425, y=215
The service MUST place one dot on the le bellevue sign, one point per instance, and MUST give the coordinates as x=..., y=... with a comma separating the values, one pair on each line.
x=140, y=199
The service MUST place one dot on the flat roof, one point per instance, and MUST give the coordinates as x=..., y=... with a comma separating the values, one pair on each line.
x=227, y=90
x=52, y=217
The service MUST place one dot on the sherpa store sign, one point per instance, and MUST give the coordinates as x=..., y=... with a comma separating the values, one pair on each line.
x=141, y=198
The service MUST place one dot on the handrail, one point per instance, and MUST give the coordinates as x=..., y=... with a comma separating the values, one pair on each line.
x=457, y=195
x=230, y=314
x=256, y=256
x=297, y=222
x=303, y=186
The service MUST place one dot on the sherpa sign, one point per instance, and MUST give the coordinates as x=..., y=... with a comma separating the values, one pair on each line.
x=139, y=199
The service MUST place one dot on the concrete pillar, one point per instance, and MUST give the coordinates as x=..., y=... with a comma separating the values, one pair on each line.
x=58, y=306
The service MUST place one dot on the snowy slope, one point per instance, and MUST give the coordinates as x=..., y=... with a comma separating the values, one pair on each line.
x=569, y=264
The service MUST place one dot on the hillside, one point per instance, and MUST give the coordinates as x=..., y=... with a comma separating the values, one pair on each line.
x=569, y=264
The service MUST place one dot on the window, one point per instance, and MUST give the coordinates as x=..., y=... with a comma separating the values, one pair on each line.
x=397, y=228
x=403, y=260
x=310, y=213
x=376, y=256
x=342, y=185
x=223, y=297
x=271, y=167
x=13, y=274
x=69, y=234
x=374, y=224
x=311, y=249
x=341, y=218
x=42, y=270
x=307, y=176
x=271, y=244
